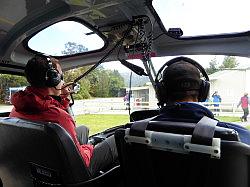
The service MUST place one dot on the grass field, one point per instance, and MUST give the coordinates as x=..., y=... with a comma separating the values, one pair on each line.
x=228, y=118
x=99, y=122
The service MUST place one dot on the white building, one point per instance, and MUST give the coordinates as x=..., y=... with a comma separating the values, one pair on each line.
x=144, y=94
x=230, y=84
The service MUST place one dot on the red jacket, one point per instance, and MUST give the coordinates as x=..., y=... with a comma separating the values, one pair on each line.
x=244, y=102
x=36, y=104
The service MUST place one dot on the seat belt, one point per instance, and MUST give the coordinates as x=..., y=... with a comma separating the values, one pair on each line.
x=138, y=128
x=204, y=131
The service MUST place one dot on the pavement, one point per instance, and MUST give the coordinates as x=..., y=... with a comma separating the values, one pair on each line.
x=5, y=108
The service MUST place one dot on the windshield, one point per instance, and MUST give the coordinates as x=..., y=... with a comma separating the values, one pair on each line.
x=225, y=74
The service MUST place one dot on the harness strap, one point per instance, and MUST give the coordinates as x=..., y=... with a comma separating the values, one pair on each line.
x=138, y=127
x=204, y=131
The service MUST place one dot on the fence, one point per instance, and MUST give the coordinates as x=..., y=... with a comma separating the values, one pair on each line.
x=117, y=104
x=224, y=109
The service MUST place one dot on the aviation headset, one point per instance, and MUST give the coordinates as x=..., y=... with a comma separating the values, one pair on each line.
x=50, y=78
x=161, y=89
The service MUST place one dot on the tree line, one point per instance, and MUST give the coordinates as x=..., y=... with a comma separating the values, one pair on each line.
x=99, y=83
x=229, y=62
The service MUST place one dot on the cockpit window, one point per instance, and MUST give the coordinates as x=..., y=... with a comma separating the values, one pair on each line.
x=65, y=38
x=197, y=17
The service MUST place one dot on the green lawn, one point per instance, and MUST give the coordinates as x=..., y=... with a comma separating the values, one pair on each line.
x=232, y=119
x=228, y=118
x=99, y=122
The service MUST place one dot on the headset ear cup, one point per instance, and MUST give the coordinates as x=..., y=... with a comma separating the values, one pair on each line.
x=204, y=91
x=52, y=78
x=161, y=93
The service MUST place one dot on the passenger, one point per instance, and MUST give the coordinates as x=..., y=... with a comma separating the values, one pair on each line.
x=46, y=100
x=180, y=90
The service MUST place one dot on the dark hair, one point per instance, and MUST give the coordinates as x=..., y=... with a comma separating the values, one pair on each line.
x=35, y=71
x=175, y=96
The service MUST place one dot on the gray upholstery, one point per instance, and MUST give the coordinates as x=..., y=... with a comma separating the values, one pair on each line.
x=32, y=152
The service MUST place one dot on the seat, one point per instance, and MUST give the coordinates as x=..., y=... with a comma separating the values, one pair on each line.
x=4, y=114
x=164, y=155
x=143, y=114
x=42, y=154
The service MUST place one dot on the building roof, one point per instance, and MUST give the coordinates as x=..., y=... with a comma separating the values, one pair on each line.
x=243, y=66
x=220, y=74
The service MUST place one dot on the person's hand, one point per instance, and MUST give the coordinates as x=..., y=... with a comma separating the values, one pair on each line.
x=66, y=90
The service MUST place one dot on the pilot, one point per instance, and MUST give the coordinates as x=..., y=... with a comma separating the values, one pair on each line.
x=46, y=100
x=180, y=90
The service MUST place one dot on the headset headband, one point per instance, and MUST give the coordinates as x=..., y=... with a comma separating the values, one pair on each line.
x=161, y=89
x=185, y=59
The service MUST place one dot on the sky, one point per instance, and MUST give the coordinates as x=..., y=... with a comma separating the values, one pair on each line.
x=194, y=17
x=60, y=33
x=200, y=17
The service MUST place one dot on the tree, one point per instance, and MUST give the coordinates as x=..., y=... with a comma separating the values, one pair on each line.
x=116, y=83
x=10, y=81
x=84, y=83
x=105, y=83
x=229, y=62
x=73, y=48
x=212, y=66
x=98, y=83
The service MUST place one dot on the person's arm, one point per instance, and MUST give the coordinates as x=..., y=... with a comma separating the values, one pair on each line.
x=66, y=91
x=239, y=103
x=66, y=121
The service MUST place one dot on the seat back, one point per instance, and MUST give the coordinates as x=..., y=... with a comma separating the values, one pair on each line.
x=34, y=153
x=163, y=159
x=143, y=114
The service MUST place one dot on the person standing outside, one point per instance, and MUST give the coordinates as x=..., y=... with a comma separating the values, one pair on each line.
x=244, y=102
x=216, y=99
